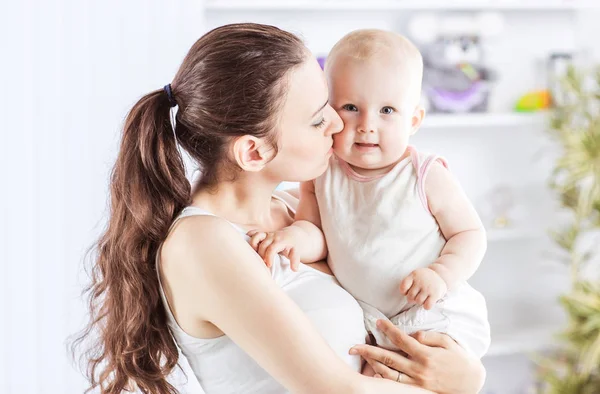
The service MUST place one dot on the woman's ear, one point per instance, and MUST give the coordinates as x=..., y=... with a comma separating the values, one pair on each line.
x=251, y=153
x=417, y=119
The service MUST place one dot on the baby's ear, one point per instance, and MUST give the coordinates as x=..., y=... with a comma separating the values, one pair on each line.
x=417, y=119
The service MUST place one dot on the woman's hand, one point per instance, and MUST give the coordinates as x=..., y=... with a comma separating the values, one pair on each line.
x=433, y=361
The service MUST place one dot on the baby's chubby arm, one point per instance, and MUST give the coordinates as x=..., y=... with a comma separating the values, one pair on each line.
x=460, y=224
x=308, y=217
x=465, y=235
x=303, y=241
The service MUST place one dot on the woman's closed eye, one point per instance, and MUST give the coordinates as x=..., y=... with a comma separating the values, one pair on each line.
x=320, y=124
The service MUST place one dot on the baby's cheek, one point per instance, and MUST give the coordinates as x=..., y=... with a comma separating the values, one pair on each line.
x=338, y=149
x=339, y=140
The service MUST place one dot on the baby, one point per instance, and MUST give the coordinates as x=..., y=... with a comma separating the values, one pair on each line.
x=401, y=236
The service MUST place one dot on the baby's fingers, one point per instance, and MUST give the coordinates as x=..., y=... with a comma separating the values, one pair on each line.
x=413, y=293
x=262, y=248
x=256, y=238
x=253, y=232
x=294, y=259
x=429, y=303
x=273, y=250
x=406, y=284
x=420, y=299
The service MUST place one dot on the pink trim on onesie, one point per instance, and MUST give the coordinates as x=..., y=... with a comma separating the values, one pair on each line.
x=422, y=170
x=355, y=175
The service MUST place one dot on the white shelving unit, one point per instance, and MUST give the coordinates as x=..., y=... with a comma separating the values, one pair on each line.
x=491, y=120
x=532, y=326
x=525, y=340
x=507, y=5
x=512, y=234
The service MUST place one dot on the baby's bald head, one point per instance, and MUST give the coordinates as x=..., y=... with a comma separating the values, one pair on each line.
x=373, y=45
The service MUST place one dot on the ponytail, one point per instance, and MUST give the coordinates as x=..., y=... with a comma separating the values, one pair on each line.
x=148, y=189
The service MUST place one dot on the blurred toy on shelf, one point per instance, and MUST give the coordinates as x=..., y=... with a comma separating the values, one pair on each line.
x=556, y=67
x=455, y=77
x=321, y=60
x=537, y=100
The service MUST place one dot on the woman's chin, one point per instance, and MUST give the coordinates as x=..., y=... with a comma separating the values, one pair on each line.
x=323, y=167
x=309, y=177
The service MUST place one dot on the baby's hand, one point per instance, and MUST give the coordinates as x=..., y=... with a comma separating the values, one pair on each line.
x=284, y=242
x=424, y=287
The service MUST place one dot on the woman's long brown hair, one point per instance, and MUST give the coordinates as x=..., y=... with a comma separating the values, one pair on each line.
x=231, y=83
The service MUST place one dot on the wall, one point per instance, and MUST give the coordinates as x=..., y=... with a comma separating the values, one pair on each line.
x=70, y=71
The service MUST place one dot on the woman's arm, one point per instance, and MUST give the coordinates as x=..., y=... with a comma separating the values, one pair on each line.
x=434, y=361
x=210, y=263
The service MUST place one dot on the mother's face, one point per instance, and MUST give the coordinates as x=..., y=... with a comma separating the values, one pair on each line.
x=306, y=126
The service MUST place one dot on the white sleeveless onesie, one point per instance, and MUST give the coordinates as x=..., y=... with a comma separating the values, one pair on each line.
x=219, y=366
x=378, y=230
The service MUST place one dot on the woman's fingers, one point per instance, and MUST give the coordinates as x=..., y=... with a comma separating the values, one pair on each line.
x=388, y=373
x=405, y=342
x=386, y=357
x=435, y=339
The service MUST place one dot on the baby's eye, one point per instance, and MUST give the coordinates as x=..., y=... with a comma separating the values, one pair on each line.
x=350, y=107
x=387, y=110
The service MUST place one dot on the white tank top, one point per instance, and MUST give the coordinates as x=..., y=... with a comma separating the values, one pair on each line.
x=221, y=367
x=378, y=230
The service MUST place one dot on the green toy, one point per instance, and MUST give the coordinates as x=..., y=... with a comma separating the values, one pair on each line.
x=534, y=101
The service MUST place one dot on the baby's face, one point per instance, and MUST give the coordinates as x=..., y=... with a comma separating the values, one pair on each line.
x=378, y=106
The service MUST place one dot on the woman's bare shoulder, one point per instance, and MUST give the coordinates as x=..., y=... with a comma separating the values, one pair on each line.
x=196, y=236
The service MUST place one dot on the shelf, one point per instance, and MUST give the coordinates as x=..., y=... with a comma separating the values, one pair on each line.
x=521, y=327
x=349, y=5
x=529, y=340
x=512, y=234
x=485, y=120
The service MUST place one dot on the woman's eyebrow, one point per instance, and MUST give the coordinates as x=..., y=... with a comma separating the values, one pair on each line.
x=317, y=111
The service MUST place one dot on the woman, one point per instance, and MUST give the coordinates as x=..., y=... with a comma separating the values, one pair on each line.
x=175, y=263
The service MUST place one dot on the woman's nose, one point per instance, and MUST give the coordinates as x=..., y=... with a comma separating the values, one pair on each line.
x=336, y=124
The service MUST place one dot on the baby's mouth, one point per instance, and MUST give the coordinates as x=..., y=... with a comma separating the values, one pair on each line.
x=365, y=145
